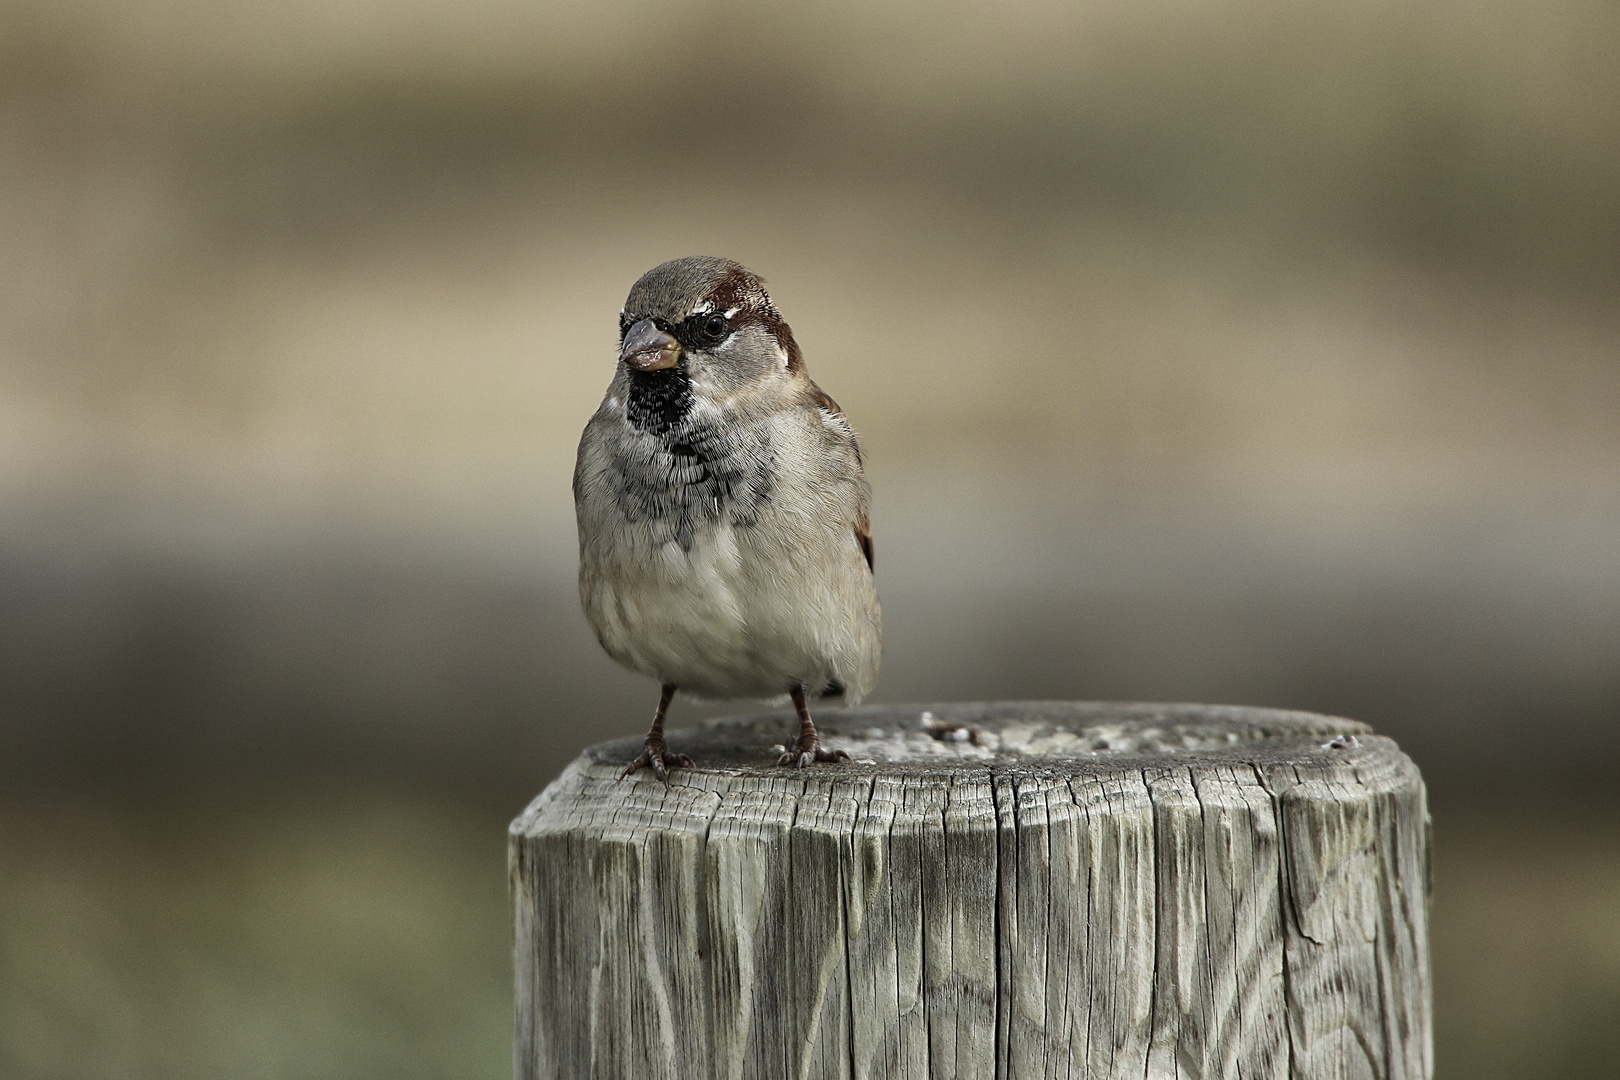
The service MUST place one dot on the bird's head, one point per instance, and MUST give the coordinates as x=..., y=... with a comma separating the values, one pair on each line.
x=709, y=321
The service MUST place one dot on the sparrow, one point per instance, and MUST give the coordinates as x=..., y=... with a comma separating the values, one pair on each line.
x=724, y=541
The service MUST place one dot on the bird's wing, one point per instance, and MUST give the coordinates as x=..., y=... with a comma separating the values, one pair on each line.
x=863, y=525
x=863, y=537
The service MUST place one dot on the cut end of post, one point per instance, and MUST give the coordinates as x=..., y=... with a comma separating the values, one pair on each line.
x=1044, y=889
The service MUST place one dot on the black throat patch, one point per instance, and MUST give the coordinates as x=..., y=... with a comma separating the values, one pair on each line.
x=659, y=400
x=681, y=475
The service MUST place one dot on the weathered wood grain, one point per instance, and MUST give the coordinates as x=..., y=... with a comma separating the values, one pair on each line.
x=1011, y=890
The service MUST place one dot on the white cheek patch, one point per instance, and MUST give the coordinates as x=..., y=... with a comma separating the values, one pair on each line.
x=704, y=407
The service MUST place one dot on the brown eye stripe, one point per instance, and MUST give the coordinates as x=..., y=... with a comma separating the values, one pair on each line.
x=741, y=289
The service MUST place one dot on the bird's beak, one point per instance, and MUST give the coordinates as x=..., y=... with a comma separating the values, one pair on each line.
x=647, y=348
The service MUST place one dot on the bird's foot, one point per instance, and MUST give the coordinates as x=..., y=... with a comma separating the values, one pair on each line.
x=658, y=758
x=807, y=749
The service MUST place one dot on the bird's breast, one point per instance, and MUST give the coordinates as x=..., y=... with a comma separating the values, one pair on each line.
x=690, y=480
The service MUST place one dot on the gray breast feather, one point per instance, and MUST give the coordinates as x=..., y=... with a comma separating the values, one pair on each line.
x=694, y=477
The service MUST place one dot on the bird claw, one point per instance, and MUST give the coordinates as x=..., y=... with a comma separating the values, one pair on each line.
x=658, y=758
x=805, y=751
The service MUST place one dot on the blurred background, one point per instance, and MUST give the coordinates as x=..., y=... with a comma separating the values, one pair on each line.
x=1221, y=350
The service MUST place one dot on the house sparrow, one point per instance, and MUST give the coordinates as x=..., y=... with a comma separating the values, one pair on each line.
x=724, y=547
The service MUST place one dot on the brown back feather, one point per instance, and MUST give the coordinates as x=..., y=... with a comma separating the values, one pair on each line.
x=863, y=528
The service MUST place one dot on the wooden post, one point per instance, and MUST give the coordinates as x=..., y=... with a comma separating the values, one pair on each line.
x=1009, y=890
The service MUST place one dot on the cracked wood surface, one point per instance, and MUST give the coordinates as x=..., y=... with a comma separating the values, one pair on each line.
x=1011, y=890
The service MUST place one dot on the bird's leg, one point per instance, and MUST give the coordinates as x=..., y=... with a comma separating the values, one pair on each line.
x=807, y=747
x=656, y=754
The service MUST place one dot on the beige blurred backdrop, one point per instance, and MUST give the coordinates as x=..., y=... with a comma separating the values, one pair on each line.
x=1221, y=350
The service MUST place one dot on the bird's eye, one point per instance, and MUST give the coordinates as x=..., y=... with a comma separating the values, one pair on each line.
x=714, y=327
